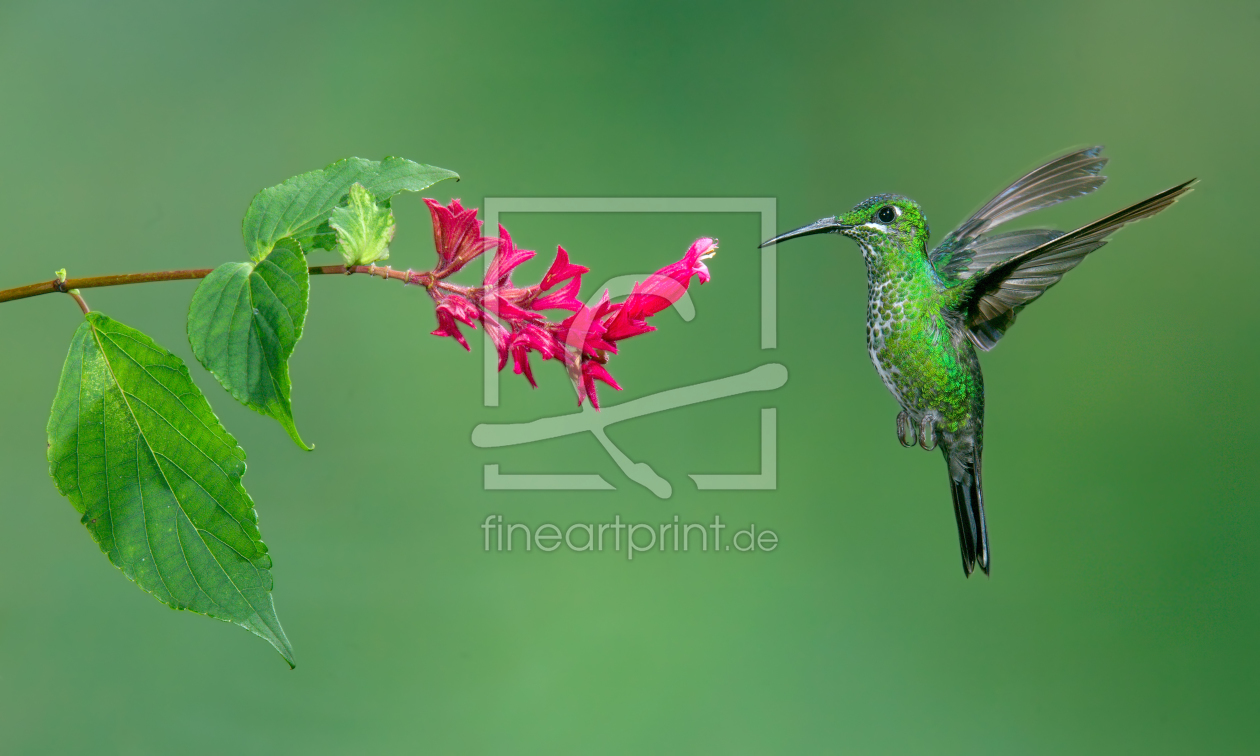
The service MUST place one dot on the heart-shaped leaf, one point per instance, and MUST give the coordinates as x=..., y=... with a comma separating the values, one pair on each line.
x=246, y=318
x=243, y=323
x=137, y=450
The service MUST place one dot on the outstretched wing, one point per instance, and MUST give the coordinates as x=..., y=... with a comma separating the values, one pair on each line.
x=1064, y=178
x=1003, y=288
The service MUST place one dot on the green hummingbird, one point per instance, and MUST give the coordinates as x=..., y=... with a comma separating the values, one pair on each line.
x=928, y=312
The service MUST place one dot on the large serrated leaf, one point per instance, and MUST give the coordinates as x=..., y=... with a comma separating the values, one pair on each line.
x=299, y=208
x=137, y=450
x=243, y=323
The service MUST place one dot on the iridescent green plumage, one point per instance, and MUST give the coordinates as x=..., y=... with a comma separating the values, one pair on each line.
x=927, y=312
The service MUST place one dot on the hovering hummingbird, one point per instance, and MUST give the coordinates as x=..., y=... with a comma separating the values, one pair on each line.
x=926, y=312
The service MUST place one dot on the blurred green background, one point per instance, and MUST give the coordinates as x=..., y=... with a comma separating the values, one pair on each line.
x=1122, y=411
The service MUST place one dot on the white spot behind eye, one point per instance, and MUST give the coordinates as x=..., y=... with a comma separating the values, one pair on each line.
x=897, y=210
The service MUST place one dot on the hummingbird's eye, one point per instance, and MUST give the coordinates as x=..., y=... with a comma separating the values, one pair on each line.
x=887, y=214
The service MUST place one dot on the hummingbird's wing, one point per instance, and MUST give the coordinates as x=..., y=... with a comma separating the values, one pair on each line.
x=997, y=293
x=1066, y=177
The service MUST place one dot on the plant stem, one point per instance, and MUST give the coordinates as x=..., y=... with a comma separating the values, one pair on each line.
x=123, y=279
x=407, y=277
x=79, y=298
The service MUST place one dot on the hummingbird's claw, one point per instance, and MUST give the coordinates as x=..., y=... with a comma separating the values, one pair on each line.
x=903, y=421
x=927, y=431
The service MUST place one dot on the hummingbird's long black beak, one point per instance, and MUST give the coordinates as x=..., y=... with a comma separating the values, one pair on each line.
x=824, y=226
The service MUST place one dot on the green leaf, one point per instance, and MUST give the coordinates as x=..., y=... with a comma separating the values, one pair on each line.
x=137, y=450
x=300, y=207
x=243, y=323
x=246, y=318
x=364, y=229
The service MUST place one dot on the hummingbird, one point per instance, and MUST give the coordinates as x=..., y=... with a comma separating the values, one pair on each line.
x=927, y=312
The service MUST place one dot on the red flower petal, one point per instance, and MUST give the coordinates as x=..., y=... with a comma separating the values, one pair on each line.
x=520, y=363
x=447, y=327
x=621, y=327
x=456, y=236
x=591, y=372
x=583, y=331
x=564, y=298
x=505, y=261
x=500, y=337
x=661, y=289
x=505, y=309
x=560, y=270
x=460, y=309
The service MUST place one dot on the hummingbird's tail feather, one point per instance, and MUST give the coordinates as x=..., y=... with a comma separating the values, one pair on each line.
x=1004, y=288
x=966, y=486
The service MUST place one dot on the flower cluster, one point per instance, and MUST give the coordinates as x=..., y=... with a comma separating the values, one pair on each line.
x=513, y=316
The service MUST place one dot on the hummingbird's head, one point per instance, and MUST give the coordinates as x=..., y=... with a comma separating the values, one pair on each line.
x=885, y=221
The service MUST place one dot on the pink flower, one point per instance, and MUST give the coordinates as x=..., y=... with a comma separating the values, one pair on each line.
x=453, y=307
x=661, y=289
x=529, y=337
x=456, y=236
x=502, y=304
x=505, y=260
x=502, y=340
x=460, y=309
x=512, y=316
x=592, y=333
x=561, y=269
x=583, y=331
x=594, y=371
x=447, y=327
x=565, y=298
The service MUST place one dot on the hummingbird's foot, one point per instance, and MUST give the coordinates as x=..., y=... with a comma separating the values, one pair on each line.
x=927, y=431
x=903, y=422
